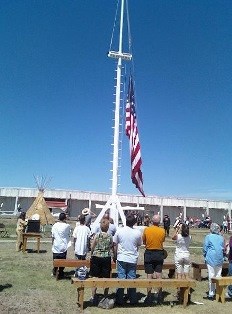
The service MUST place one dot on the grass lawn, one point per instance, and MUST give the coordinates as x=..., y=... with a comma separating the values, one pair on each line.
x=26, y=285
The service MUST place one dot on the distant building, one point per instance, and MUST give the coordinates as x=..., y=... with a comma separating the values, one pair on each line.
x=73, y=201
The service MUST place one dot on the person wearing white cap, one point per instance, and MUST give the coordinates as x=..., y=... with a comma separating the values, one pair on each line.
x=85, y=211
x=88, y=216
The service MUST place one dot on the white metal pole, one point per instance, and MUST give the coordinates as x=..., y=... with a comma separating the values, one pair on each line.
x=113, y=211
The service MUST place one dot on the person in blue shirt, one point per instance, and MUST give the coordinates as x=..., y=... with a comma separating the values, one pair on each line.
x=213, y=250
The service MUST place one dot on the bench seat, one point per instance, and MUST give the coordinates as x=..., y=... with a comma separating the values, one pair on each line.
x=184, y=285
x=75, y=263
x=197, y=267
x=221, y=285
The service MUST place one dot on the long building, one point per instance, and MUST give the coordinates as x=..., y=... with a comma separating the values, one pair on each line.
x=13, y=199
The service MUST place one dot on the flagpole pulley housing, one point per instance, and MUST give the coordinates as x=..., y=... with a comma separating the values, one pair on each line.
x=123, y=55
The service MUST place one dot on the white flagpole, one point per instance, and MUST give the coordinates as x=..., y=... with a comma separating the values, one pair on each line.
x=113, y=210
x=113, y=203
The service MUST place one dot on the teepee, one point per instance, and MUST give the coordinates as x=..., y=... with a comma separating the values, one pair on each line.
x=40, y=207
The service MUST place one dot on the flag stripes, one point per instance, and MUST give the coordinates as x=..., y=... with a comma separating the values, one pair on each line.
x=132, y=133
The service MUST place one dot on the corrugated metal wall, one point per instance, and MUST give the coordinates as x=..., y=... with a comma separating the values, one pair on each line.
x=81, y=199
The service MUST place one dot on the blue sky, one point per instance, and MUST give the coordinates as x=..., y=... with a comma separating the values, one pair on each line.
x=57, y=86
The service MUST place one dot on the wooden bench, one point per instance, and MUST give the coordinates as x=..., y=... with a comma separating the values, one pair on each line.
x=221, y=285
x=184, y=286
x=197, y=267
x=75, y=263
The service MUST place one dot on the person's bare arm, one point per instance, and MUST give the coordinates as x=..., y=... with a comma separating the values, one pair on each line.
x=93, y=245
x=174, y=237
x=115, y=251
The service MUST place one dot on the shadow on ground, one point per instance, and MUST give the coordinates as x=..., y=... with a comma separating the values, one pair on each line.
x=7, y=285
x=35, y=251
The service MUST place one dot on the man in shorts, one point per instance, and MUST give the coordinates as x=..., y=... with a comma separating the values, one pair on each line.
x=153, y=239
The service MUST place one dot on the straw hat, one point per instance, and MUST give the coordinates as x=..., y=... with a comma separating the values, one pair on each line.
x=85, y=211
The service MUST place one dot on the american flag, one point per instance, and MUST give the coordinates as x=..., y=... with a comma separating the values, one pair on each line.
x=132, y=133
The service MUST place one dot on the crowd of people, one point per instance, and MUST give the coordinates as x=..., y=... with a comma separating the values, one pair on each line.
x=105, y=243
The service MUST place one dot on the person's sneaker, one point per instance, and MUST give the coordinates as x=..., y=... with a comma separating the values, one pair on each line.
x=211, y=297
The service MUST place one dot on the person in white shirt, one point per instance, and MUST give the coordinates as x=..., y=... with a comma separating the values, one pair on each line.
x=60, y=240
x=126, y=244
x=182, y=255
x=81, y=235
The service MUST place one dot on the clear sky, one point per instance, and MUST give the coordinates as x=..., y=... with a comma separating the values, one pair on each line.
x=57, y=94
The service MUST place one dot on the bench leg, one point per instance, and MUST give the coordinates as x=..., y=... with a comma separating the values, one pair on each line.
x=197, y=274
x=217, y=292
x=38, y=244
x=24, y=245
x=80, y=298
x=185, y=294
x=222, y=293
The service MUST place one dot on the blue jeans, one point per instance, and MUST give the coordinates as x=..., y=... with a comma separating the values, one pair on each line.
x=126, y=271
x=230, y=274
